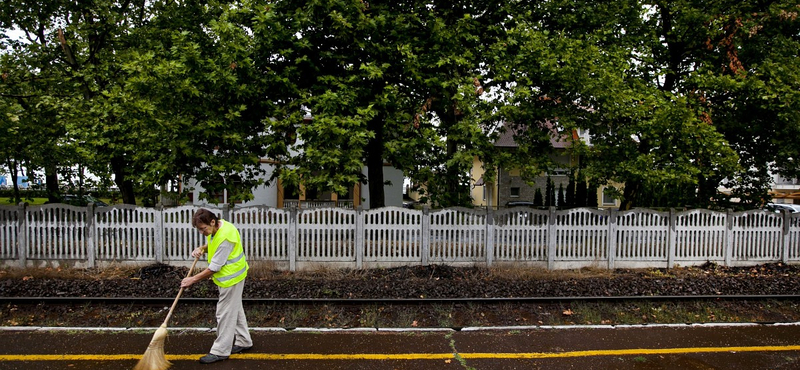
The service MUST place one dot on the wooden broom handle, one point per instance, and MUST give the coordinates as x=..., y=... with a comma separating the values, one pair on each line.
x=175, y=303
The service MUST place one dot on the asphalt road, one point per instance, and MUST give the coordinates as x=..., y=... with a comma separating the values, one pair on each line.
x=744, y=347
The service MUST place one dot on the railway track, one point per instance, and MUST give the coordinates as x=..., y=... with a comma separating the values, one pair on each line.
x=405, y=301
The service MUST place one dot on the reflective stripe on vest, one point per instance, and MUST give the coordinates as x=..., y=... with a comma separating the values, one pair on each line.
x=235, y=268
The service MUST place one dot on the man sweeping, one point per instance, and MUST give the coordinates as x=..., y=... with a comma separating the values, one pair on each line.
x=228, y=268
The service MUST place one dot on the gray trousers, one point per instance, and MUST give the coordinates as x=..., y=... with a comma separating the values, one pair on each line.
x=231, y=322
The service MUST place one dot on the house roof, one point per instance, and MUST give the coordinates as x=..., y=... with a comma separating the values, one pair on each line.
x=557, y=140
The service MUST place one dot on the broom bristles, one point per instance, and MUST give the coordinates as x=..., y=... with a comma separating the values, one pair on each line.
x=153, y=358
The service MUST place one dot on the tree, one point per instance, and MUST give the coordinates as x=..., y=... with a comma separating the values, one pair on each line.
x=569, y=198
x=396, y=82
x=748, y=86
x=619, y=82
x=549, y=193
x=146, y=91
x=30, y=90
x=537, y=198
x=581, y=191
x=670, y=92
x=591, y=195
x=203, y=103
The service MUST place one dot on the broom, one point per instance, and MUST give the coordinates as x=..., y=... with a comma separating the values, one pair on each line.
x=153, y=358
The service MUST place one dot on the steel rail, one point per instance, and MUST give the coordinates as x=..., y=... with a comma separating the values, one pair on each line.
x=356, y=301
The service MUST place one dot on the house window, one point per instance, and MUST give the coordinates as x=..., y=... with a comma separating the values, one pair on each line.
x=514, y=192
x=215, y=190
x=291, y=192
x=608, y=198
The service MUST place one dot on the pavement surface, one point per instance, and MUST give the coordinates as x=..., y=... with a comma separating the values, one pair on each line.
x=742, y=346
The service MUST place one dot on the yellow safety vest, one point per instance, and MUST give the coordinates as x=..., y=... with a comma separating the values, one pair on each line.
x=235, y=269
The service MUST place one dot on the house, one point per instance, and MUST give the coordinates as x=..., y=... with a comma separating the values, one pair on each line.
x=509, y=186
x=279, y=195
x=786, y=191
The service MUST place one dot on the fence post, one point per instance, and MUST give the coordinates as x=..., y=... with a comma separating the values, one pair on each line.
x=551, y=238
x=22, y=235
x=489, y=237
x=226, y=212
x=426, y=234
x=672, y=238
x=158, y=233
x=291, y=249
x=91, y=226
x=728, y=237
x=787, y=221
x=612, y=238
x=359, y=237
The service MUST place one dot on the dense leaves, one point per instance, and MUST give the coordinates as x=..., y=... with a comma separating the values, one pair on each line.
x=678, y=98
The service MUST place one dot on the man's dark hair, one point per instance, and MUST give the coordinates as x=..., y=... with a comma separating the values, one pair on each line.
x=204, y=216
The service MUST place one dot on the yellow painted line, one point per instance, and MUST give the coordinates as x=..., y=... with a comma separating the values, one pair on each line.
x=627, y=352
x=412, y=356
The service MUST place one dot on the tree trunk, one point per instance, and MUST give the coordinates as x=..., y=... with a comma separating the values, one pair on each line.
x=581, y=192
x=12, y=169
x=632, y=189
x=51, y=183
x=124, y=184
x=452, y=175
x=377, y=198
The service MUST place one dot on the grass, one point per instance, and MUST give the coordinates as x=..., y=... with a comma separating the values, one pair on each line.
x=369, y=316
x=510, y=272
x=40, y=201
x=404, y=316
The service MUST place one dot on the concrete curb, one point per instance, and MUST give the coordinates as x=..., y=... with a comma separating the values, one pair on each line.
x=372, y=330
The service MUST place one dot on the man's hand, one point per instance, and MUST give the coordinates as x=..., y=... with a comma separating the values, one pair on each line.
x=199, y=252
x=187, y=282
x=203, y=275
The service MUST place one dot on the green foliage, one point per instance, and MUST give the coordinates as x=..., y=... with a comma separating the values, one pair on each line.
x=570, y=196
x=688, y=95
x=537, y=198
x=549, y=193
x=656, y=86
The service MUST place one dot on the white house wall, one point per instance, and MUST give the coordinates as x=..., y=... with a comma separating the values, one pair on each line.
x=268, y=195
x=393, y=194
x=263, y=195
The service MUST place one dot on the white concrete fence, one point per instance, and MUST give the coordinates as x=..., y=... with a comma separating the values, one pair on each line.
x=293, y=239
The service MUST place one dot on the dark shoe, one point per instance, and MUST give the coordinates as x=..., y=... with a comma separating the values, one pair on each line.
x=212, y=358
x=238, y=349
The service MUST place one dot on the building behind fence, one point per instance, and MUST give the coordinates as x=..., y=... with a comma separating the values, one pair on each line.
x=307, y=238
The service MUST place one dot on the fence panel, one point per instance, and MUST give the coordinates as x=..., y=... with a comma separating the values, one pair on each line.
x=56, y=232
x=126, y=232
x=757, y=236
x=793, y=254
x=264, y=232
x=520, y=234
x=9, y=227
x=179, y=237
x=700, y=236
x=392, y=234
x=457, y=235
x=642, y=235
x=581, y=235
x=326, y=235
